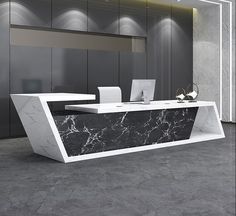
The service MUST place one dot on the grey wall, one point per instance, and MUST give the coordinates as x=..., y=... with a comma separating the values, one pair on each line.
x=169, y=49
x=103, y=70
x=132, y=66
x=65, y=18
x=182, y=49
x=159, y=49
x=69, y=70
x=206, y=53
x=133, y=19
x=103, y=16
x=31, y=13
x=34, y=69
x=30, y=72
x=206, y=65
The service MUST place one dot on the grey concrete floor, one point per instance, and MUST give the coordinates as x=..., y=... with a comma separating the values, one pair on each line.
x=191, y=180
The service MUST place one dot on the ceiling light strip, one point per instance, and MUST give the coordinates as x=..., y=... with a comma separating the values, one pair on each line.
x=210, y=2
x=231, y=61
x=221, y=54
x=221, y=61
x=231, y=56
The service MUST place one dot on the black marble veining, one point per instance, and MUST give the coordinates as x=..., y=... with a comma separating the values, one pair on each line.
x=90, y=133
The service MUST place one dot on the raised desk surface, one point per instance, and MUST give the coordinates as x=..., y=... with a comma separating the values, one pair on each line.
x=54, y=97
x=132, y=107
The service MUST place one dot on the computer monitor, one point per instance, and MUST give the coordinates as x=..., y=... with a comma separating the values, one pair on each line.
x=142, y=90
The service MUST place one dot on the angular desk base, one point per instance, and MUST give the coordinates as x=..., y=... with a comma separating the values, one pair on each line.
x=48, y=141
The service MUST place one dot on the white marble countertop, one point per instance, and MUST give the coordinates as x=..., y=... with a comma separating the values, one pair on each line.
x=45, y=138
x=53, y=97
x=132, y=107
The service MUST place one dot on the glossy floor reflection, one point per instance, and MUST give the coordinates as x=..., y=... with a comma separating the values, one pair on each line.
x=190, y=180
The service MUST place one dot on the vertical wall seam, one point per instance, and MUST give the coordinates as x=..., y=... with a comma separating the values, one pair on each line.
x=51, y=49
x=87, y=68
x=87, y=59
x=192, y=43
x=119, y=13
x=119, y=72
x=51, y=13
x=146, y=41
x=171, y=56
x=9, y=68
x=119, y=53
x=87, y=5
x=51, y=54
x=51, y=69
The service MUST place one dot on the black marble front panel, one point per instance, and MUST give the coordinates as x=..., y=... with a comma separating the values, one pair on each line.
x=91, y=133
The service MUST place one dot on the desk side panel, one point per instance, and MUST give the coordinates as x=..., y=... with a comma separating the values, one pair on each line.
x=208, y=122
x=35, y=117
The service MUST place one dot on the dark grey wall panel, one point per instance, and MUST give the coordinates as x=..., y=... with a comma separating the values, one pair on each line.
x=168, y=56
x=133, y=17
x=69, y=73
x=182, y=48
x=102, y=70
x=159, y=49
x=4, y=68
x=31, y=13
x=132, y=66
x=103, y=16
x=69, y=70
x=69, y=14
x=30, y=73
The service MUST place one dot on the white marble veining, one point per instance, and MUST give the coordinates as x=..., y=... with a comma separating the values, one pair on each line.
x=38, y=122
x=45, y=139
x=207, y=126
x=35, y=117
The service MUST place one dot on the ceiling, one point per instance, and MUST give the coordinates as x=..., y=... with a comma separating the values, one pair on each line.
x=185, y=3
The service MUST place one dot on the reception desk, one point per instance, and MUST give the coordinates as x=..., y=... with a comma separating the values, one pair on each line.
x=87, y=131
